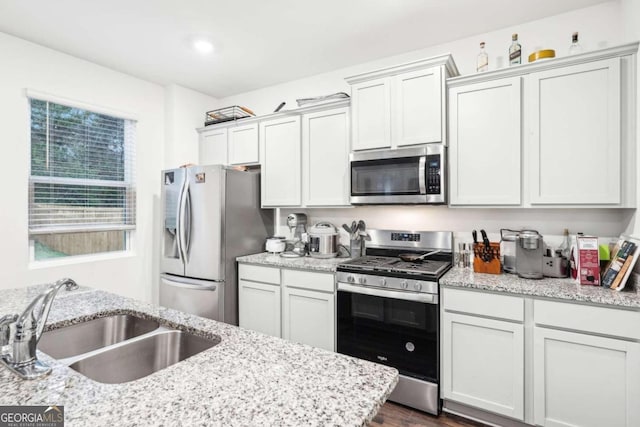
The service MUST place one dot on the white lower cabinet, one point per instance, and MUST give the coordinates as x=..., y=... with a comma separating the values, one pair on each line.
x=308, y=317
x=484, y=363
x=297, y=305
x=544, y=362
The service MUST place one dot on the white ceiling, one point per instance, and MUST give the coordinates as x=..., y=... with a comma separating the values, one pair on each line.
x=258, y=42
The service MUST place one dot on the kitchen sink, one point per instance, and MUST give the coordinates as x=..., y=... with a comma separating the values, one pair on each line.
x=94, y=334
x=141, y=357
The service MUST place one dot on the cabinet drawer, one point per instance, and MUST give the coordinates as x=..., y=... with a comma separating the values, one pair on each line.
x=307, y=280
x=257, y=273
x=484, y=304
x=598, y=320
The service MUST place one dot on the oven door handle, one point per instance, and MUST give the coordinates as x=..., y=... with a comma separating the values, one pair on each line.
x=422, y=174
x=386, y=293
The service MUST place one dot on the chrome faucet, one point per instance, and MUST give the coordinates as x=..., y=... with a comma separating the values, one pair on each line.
x=28, y=327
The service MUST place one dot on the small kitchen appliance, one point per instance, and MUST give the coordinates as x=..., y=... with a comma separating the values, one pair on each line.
x=529, y=254
x=275, y=244
x=388, y=310
x=402, y=176
x=297, y=223
x=508, y=249
x=323, y=240
x=555, y=265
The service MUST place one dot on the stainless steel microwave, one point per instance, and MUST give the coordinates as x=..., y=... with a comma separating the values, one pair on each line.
x=402, y=176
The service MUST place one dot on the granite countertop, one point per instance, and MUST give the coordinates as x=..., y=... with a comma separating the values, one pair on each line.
x=247, y=379
x=563, y=289
x=303, y=263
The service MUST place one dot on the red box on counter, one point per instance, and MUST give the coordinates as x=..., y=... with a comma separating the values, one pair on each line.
x=588, y=261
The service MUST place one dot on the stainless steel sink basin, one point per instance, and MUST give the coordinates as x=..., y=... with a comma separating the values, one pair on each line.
x=141, y=357
x=94, y=334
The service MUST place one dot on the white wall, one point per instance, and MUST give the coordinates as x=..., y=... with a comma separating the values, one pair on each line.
x=184, y=112
x=599, y=26
x=27, y=65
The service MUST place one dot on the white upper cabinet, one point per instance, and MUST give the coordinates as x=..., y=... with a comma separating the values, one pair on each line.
x=400, y=106
x=213, y=147
x=281, y=162
x=484, y=138
x=574, y=132
x=325, y=154
x=558, y=133
x=371, y=114
x=243, y=145
x=417, y=107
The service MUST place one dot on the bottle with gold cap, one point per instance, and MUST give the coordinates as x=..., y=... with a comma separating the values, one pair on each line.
x=515, y=51
x=575, y=47
x=483, y=59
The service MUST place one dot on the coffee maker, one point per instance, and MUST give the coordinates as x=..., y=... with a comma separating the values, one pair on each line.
x=529, y=253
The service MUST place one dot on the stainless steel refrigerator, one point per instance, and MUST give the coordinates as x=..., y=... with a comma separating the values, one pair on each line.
x=211, y=215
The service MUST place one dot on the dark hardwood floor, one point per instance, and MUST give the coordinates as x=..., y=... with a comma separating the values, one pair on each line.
x=394, y=415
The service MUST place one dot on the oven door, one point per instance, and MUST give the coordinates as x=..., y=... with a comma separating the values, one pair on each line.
x=405, y=176
x=398, y=329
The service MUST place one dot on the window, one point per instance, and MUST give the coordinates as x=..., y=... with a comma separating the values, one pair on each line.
x=82, y=196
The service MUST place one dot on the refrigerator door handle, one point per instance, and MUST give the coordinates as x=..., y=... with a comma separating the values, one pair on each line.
x=182, y=220
x=191, y=284
x=188, y=222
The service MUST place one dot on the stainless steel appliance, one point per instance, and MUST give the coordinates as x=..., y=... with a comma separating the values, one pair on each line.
x=508, y=249
x=323, y=240
x=211, y=215
x=297, y=223
x=529, y=253
x=403, y=176
x=388, y=310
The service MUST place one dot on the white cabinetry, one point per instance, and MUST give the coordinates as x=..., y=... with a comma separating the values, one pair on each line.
x=485, y=136
x=281, y=163
x=297, y=305
x=213, y=147
x=259, y=299
x=574, y=132
x=483, y=359
x=325, y=154
x=544, y=362
x=574, y=118
x=243, y=145
x=401, y=105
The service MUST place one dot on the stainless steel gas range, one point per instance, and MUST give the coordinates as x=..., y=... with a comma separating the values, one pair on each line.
x=388, y=310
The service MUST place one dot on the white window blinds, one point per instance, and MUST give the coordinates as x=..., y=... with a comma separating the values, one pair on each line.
x=82, y=170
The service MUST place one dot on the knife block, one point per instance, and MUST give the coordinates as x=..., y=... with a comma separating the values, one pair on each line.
x=487, y=261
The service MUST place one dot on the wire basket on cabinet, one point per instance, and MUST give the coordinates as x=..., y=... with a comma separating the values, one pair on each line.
x=227, y=114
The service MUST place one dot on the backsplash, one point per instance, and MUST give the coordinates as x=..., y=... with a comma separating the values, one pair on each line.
x=604, y=223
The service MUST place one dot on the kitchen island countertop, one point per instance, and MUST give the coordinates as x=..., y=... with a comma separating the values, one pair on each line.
x=303, y=263
x=247, y=379
x=561, y=289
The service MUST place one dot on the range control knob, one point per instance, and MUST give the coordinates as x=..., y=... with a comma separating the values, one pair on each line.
x=350, y=279
x=362, y=280
x=404, y=284
x=383, y=282
x=417, y=286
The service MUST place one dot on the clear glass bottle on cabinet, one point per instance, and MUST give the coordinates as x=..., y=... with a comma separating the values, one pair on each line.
x=515, y=51
x=483, y=59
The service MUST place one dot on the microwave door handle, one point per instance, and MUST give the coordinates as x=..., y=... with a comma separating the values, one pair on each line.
x=422, y=178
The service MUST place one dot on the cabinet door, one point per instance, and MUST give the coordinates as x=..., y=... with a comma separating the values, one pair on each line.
x=574, y=132
x=485, y=143
x=308, y=317
x=243, y=145
x=583, y=380
x=259, y=307
x=213, y=147
x=371, y=109
x=417, y=107
x=281, y=162
x=325, y=153
x=483, y=363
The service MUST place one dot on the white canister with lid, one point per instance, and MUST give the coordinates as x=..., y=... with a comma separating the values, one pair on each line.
x=275, y=244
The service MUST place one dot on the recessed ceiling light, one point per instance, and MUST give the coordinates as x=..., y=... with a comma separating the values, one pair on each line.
x=203, y=46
